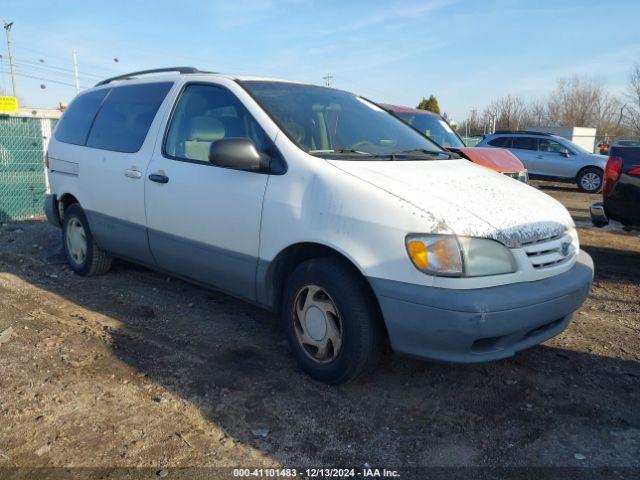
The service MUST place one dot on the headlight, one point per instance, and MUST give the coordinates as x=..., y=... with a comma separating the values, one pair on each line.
x=523, y=176
x=448, y=255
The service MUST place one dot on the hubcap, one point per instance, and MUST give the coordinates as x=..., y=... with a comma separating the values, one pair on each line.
x=590, y=181
x=76, y=241
x=317, y=324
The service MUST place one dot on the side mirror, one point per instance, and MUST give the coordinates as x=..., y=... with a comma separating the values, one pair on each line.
x=238, y=154
x=564, y=152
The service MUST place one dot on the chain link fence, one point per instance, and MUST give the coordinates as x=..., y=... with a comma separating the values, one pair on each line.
x=23, y=141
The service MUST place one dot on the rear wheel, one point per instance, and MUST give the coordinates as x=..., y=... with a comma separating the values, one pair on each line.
x=84, y=256
x=332, y=321
x=590, y=180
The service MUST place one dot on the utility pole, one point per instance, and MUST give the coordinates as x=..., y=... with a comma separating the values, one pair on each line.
x=75, y=70
x=7, y=28
x=327, y=79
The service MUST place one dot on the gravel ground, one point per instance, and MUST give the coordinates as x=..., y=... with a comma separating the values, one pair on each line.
x=136, y=369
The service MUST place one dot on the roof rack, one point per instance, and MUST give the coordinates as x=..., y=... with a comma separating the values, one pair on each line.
x=127, y=76
x=522, y=132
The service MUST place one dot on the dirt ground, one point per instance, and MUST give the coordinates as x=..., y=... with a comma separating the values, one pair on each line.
x=135, y=369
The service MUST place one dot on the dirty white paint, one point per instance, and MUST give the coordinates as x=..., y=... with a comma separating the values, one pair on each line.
x=459, y=197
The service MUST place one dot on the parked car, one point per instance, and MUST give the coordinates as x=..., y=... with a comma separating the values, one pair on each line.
x=627, y=143
x=437, y=129
x=550, y=156
x=621, y=191
x=317, y=204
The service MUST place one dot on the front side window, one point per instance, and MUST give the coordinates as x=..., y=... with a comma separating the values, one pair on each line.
x=525, y=143
x=126, y=115
x=74, y=125
x=205, y=114
x=433, y=127
x=551, y=146
x=324, y=121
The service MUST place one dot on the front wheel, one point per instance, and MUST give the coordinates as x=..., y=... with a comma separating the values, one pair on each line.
x=332, y=321
x=590, y=180
x=84, y=256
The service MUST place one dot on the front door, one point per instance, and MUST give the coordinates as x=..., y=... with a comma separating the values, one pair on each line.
x=554, y=161
x=203, y=220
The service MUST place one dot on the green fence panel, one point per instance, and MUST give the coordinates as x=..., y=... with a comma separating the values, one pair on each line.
x=22, y=178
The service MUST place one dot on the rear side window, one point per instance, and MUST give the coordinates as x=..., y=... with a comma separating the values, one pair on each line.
x=74, y=125
x=126, y=115
x=504, y=142
x=525, y=143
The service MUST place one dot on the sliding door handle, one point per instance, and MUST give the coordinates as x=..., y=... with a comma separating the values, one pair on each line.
x=158, y=178
x=132, y=173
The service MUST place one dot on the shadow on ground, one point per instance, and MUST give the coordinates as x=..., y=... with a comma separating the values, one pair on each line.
x=230, y=360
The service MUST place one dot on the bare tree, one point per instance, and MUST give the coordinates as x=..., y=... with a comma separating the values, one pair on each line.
x=575, y=101
x=510, y=112
x=633, y=106
x=537, y=113
x=473, y=124
x=582, y=102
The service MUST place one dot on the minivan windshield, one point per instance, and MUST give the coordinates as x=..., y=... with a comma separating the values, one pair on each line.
x=327, y=122
x=433, y=127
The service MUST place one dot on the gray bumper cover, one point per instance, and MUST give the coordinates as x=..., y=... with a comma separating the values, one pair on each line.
x=51, y=210
x=481, y=324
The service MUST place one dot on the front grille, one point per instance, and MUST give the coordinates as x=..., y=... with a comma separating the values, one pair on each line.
x=550, y=251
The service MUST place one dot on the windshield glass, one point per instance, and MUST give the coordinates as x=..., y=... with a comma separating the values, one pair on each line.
x=433, y=127
x=575, y=146
x=323, y=121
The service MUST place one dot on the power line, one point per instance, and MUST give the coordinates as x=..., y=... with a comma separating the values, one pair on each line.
x=48, y=80
x=45, y=70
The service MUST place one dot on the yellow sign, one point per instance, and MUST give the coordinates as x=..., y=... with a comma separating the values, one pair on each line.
x=8, y=105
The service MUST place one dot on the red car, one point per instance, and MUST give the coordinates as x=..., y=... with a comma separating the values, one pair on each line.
x=437, y=129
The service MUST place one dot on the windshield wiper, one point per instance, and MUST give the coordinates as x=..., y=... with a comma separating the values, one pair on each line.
x=420, y=151
x=340, y=150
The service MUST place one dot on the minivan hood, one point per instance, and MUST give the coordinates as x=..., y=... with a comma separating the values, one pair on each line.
x=459, y=197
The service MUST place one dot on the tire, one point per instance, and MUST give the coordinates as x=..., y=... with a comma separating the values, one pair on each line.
x=587, y=182
x=75, y=233
x=357, y=319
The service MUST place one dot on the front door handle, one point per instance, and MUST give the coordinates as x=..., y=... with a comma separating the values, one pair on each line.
x=540, y=157
x=132, y=173
x=158, y=178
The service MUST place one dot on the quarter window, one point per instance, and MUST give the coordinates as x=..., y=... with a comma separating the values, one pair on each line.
x=504, y=142
x=205, y=114
x=74, y=125
x=525, y=143
x=124, y=119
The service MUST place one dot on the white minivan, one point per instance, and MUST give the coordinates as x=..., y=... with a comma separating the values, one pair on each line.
x=317, y=204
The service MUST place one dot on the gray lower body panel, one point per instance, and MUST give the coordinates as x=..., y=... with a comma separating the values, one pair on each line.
x=219, y=268
x=481, y=324
x=124, y=239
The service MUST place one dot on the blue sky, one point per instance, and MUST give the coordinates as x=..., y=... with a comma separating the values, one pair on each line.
x=464, y=52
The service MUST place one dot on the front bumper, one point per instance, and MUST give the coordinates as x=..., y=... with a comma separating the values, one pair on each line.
x=598, y=215
x=481, y=324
